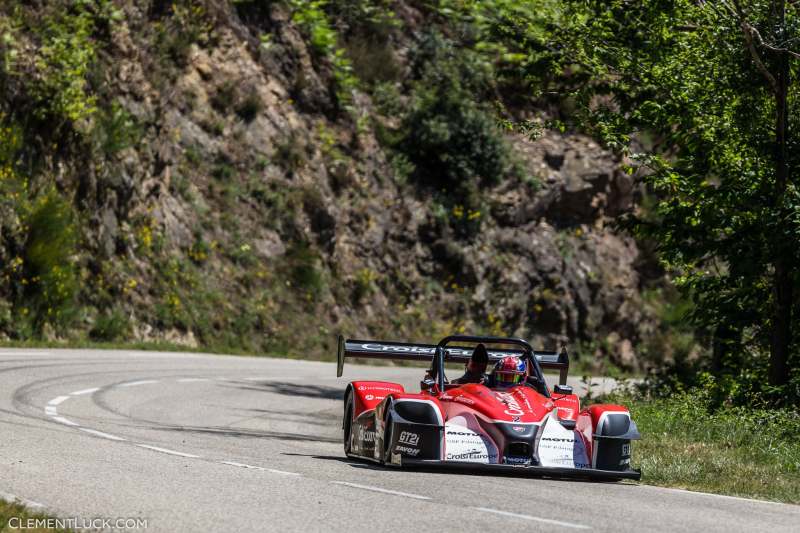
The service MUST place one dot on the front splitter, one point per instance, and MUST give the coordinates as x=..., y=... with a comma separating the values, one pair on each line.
x=533, y=471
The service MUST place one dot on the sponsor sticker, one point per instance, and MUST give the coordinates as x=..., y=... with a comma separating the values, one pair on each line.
x=378, y=387
x=407, y=437
x=560, y=439
x=384, y=348
x=513, y=407
x=365, y=435
x=472, y=455
x=464, y=444
x=413, y=452
x=516, y=460
x=461, y=433
x=561, y=447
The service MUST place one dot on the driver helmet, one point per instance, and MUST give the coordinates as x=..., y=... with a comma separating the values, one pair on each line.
x=509, y=371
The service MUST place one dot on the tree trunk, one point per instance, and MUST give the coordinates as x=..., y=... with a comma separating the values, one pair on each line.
x=782, y=281
x=725, y=345
x=781, y=325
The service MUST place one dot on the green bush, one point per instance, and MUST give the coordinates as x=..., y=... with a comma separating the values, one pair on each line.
x=290, y=153
x=187, y=25
x=115, y=129
x=302, y=264
x=364, y=284
x=312, y=19
x=63, y=61
x=249, y=107
x=110, y=326
x=49, y=272
x=453, y=142
x=373, y=60
x=450, y=137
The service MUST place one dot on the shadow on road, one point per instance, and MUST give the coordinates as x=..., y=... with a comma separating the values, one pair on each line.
x=346, y=460
x=245, y=433
x=294, y=389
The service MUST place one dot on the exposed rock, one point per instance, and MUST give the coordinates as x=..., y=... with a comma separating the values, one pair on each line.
x=270, y=245
x=252, y=190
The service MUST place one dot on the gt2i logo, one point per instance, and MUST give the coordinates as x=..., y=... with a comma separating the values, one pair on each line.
x=626, y=449
x=406, y=437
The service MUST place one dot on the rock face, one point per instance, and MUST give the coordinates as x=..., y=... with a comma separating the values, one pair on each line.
x=252, y=213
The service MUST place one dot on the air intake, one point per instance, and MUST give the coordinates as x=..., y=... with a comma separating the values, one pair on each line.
x=519, y=449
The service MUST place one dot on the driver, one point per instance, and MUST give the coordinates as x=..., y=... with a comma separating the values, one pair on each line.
x=509, y=372
x=475, y=368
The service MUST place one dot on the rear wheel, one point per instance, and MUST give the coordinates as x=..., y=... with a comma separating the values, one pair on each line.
x=347, y=422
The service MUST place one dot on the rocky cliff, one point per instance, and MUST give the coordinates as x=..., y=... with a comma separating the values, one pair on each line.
x=258, y=176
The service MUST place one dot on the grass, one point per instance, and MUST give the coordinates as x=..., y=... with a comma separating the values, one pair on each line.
x=685, y=444
x=15, y=510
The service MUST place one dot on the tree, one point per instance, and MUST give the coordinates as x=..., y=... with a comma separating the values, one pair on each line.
x=701, y=94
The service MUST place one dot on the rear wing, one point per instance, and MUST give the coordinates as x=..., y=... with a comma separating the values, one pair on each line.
x=403, y=351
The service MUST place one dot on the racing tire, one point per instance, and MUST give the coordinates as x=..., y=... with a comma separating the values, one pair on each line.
x=347, y=422
x=388, y=429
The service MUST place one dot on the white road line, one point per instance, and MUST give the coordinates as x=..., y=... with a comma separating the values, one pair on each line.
x=142, y=382
x=170, y=452
x=50, y=410
x=10, y=498
x=378, y=489
x=242, y=465
x=101, y=434
x=192, y=380
x=66, y=421
x=698, y=493
x=532, y=518
x=251, y=467
x=282, y=472
x=84, y=391
x=57, y=400
x=3, y=353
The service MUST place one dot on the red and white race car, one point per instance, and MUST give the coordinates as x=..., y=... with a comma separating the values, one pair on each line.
x=481, y=425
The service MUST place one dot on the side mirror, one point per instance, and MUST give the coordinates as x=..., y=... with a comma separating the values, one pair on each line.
x=562, y=389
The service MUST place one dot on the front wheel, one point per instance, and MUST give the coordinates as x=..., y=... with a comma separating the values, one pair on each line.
x=388, y=429
x=347, y=423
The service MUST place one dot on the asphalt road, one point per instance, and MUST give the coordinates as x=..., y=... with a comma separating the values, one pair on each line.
x=200, y=443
